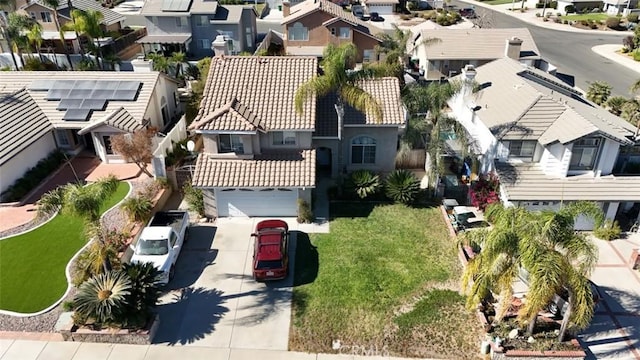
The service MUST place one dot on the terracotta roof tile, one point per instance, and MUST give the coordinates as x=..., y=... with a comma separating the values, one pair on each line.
x=289, y=169
x=248, y=93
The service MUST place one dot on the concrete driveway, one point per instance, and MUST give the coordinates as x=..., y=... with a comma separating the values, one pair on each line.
x=615, y=329
x=213, y=300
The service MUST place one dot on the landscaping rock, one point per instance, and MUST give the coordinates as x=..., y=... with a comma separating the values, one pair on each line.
x=513, y=334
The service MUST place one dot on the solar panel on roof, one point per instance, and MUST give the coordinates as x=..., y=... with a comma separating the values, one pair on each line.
x=107, y=84
x=64, y=84
x=57, y=94
x=69, y=104
x=125, y=95
x=101, y=94
x=93, y=104
x=77, y=115
x=79, y=94
x=129, y=85
x=40, y=85
x=85, y=84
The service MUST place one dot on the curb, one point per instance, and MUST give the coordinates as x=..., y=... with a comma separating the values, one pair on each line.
x=609, y=51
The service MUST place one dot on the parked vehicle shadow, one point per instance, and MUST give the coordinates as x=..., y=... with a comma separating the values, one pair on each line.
x=195, y=256
x=306, y=260
x=191, y=314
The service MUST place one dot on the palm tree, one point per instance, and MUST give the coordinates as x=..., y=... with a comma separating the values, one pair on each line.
x=111, y=59
x=17, y=25
x=83, y=201
x=4, y=27
x=599, y=92
x=87, y=23
x=35, y=37
x=615, y=104
x=160, y=63
x=546, y=246
x=103, y=298
x=178, y=58
x=339, y=78
x=54, y=5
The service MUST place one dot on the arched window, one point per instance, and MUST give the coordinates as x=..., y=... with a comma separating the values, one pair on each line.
x=363, y=150
x=297, y=32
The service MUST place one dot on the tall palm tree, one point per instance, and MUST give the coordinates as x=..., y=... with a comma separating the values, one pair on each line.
x=88, y=23
x=18, y=24
x=339, y=78
x=178, y=58
x=35, y=37
x=80, y=200
x=54, y=5
x=547, y=247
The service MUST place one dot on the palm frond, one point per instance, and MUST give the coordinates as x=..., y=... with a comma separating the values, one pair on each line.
x=361, y=101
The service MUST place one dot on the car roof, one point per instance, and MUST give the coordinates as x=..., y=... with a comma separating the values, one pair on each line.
x=269, y=246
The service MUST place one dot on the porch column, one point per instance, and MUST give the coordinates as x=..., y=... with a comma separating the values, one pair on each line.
x=612, y=210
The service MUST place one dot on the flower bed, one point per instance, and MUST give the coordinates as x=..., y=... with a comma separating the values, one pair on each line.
x=71, y=332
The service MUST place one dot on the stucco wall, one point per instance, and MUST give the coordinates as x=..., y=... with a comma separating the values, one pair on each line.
x=333, y=145
x=386, y=147
x=303, y=141
x=608, y=157
x=13, y=169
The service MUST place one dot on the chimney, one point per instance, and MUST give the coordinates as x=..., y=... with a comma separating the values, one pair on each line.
x=286, y=8
x=220, y=46
x=468, y=79
x=512, y=50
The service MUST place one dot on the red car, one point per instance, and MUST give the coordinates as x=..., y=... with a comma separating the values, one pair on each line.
x=270, y=250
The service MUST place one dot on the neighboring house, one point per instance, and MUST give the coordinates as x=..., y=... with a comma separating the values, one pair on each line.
x=43, y=14
x=382, y=7
x=192, y=25
x=547, y=144
x=26, y=136
x=87, y=108
x=260, y=155
x=615, y=7
x=313, y=24
x=578, y=5
x=452, y=49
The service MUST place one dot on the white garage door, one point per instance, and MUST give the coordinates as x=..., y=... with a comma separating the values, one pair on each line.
x=257, y=202
x=381, y=9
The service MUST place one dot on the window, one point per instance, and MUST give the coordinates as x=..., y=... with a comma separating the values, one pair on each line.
x=584, y=154
x=249, y=35
x=45, y=16
x=523, y=149
x=298, y=32
x=62, y=137
x=230, y=143
x=107, y=145
x=201, y=20
x=368, y=56
x=333, y=31
x=204, y=43
x=181, y=22
x=33, y=15
x=284, y=138
x=363, y=150
x=345, y=33
x=173, y=239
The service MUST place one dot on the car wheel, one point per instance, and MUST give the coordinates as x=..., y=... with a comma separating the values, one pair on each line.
x=172, y=272
x=553, y=309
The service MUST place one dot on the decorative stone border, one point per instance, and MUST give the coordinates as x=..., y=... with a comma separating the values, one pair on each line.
x=70, y=332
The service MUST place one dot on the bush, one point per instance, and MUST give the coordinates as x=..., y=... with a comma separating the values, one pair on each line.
x=32, y=178
x=143, y=296
x=364, y=183
x=137, y=208
x=305, y=214
x=101, y=300
x=485, y=191
x=538, y=14
x=569, y=9
x=553, y=5
x=608, y=231
x=194, y=198
x=633, y=17
x=539, y=5
x=402, y=186
x=636, y=55
x=612, y=22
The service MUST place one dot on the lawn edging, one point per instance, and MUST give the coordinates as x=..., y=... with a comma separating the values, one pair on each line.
x=67, y=268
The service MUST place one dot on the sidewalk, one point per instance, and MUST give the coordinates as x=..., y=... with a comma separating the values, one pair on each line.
x=45, y=350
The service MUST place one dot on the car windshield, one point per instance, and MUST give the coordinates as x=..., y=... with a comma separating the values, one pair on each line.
x=267, y=265
x=152, y=247
x=476, y=224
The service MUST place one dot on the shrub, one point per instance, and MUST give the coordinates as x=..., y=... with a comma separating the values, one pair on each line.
x=194, y=198
x=68, y=305
x=137, y=208
x=569, y=9
x=32, y=177
x=485, y=191
x=636, y=55
x=538, y=14
x=594, y=26
x=539, y=5
x=402, y=186
x=608, y=231
x=628, y=42
x=90, y=261
x=553, y=5
x=633, y=17
x=364, y=183
x=102, y=299
x=612, y=22
x=143, y=296
x=305, y=214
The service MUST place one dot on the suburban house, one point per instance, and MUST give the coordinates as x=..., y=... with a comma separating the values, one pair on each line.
x=382, y=7
x=615, y=7
x=43, y=14
x=547, y=144
x=313, y=24
x=579, y=5
x=86, y=108
x=26, y=136
x=449, y=50
x=191, y=26
x=260, y=156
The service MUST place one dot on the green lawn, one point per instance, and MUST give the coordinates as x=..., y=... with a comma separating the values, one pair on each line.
x=32, y=265
x=383, y=278
x=579, y=17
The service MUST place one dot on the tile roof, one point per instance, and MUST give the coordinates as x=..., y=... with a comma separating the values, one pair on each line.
x=518, y=102
x=119, y=119
x=22, y=123
x=292, y=169
x=528, y=182
x=15, y=80
x=381, y=2
x=308, y=7
x=264, y=87
x=385, y=90
x=109, y=16
x=476, y=43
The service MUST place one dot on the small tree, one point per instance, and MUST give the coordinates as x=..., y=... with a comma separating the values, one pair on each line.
x=136, y=147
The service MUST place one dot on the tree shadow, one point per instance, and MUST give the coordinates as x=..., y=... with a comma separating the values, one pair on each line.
x=351, y=209
x=306, y=260
x=190, y=316
x=508, y=173
x=195, y=256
